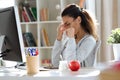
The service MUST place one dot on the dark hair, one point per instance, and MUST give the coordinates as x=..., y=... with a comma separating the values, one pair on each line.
x=87, y=22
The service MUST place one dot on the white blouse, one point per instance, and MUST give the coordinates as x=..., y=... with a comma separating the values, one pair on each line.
x=67, y=49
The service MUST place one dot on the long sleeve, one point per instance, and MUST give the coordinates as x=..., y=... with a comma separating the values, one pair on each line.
x=69, y=52
x=56, y=53
x=85, y=49
x=79, y=52
x=59, y=49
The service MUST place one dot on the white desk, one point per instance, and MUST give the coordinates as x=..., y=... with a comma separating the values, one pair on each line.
x=82, y=74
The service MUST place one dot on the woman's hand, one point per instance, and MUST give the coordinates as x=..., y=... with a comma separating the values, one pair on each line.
x=61, y=29
x=70, y=32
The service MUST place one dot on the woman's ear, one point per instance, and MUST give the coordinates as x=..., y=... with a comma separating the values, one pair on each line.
x=79, y=19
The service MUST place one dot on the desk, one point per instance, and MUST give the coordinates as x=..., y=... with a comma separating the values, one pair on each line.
x=109, y=72
x=82, y=74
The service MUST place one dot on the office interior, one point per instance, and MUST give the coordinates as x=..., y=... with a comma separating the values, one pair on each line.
x=107, y=16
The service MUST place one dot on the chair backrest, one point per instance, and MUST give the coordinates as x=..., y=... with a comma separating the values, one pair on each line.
x=98, y=43
x=93, y=55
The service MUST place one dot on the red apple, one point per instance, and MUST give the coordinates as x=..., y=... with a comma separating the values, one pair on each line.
x=74, y=65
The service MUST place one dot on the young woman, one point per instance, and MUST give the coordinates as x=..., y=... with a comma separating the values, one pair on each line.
x=76, y=37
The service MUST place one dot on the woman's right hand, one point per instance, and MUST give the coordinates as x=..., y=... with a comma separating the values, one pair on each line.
x=60, y=30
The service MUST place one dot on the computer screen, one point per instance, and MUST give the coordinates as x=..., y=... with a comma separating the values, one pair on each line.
x=11, y=29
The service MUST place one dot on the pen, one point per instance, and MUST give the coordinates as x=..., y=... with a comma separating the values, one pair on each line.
x=32, y=52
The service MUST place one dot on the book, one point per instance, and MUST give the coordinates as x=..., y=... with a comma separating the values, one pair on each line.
x=24, y=40
x=30, y=14
x=44, y=14
x=24, y=16
x=34, y=12
x=29, y=39
x=20, y=8
x=24, y=9
x=45, y=37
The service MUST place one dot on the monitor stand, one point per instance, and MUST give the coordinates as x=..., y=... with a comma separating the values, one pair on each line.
x=21, y=66
x=4, y=63
x=1, y=62
x=2, y=39
x=7, y=64
x=7, y=67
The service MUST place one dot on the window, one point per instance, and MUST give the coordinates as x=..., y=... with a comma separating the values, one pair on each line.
x=90, y=5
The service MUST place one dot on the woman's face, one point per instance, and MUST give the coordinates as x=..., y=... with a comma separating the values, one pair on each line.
x=71, y=22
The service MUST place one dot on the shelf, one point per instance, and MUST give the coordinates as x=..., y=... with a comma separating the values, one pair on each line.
x=40, y=22
x=28, y=23
x=49, y=22
x=48, y=47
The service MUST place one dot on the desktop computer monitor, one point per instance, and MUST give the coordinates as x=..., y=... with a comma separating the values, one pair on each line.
x=13, y=46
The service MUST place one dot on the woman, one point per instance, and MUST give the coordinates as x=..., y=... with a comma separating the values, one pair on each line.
x=76, y=37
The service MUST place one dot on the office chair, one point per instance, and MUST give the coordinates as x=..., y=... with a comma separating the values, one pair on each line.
x=96, y=49
x=93, y=55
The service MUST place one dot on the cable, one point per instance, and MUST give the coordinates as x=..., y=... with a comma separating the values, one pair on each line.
x=2, y=54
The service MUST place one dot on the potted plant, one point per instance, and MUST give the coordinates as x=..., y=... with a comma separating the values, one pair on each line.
x=114, y=39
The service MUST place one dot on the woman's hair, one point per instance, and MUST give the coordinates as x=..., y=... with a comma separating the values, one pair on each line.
x=87, y=23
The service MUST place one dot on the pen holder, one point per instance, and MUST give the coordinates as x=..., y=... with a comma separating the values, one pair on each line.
x=32, y=63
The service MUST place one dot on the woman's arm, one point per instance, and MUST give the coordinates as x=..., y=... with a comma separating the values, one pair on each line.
x=70, y=50
x=56, y=52
x=57, y=49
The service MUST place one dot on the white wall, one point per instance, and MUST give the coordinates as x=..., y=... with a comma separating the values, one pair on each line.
x=90, y=5
x=6, y=3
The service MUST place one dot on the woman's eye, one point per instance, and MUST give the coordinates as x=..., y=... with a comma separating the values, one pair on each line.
x=68, y=24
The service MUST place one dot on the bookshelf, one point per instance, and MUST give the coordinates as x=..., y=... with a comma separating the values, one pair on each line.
x=51, y=19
